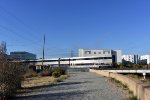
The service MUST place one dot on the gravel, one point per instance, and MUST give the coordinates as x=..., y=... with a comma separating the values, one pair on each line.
x=79, y=86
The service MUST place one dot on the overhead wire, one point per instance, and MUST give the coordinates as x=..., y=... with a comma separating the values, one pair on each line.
x=20, y=21
x=22, y=37
x=16, y=18
x=15, y=33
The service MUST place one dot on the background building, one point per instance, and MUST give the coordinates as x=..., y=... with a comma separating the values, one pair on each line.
x=22, y=55
x=131, y=59
x=117, y=54
x=145, y=59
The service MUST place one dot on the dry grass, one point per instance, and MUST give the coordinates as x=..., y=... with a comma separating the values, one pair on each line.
x=41, y=81
x=139, y=78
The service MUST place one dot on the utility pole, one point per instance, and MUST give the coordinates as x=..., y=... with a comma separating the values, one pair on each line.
x=59, y=62
x=69, y=62
x=43, y=50
x=71, y=55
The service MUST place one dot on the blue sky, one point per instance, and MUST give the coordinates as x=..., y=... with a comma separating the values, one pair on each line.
x=73, y=24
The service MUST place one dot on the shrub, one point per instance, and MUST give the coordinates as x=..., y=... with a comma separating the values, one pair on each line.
x=10, y=77
x=30, y=73
x=56, y=74
x=46, y=73
x=60, y=70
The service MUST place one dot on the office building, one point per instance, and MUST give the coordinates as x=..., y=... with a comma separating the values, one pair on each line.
x=22, y=55
x=145, y=59
x=116, y=54
x=134, y=59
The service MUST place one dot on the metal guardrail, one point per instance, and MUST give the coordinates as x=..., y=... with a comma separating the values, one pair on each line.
x=129, y=71
x=121, y=68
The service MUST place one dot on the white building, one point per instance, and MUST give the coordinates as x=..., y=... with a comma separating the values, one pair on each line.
x=116, y=54
x=130, y=58
x=145, y=59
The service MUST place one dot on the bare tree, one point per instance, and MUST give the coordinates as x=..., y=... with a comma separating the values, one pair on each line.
x=3, y=49
x=10, y=74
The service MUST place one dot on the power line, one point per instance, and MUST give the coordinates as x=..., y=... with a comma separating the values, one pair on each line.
x=18, y=35
x=22, y=37
x=18, y=19
x=24, y=24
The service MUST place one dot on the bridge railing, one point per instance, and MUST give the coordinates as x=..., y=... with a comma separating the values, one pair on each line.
x=125, y=68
